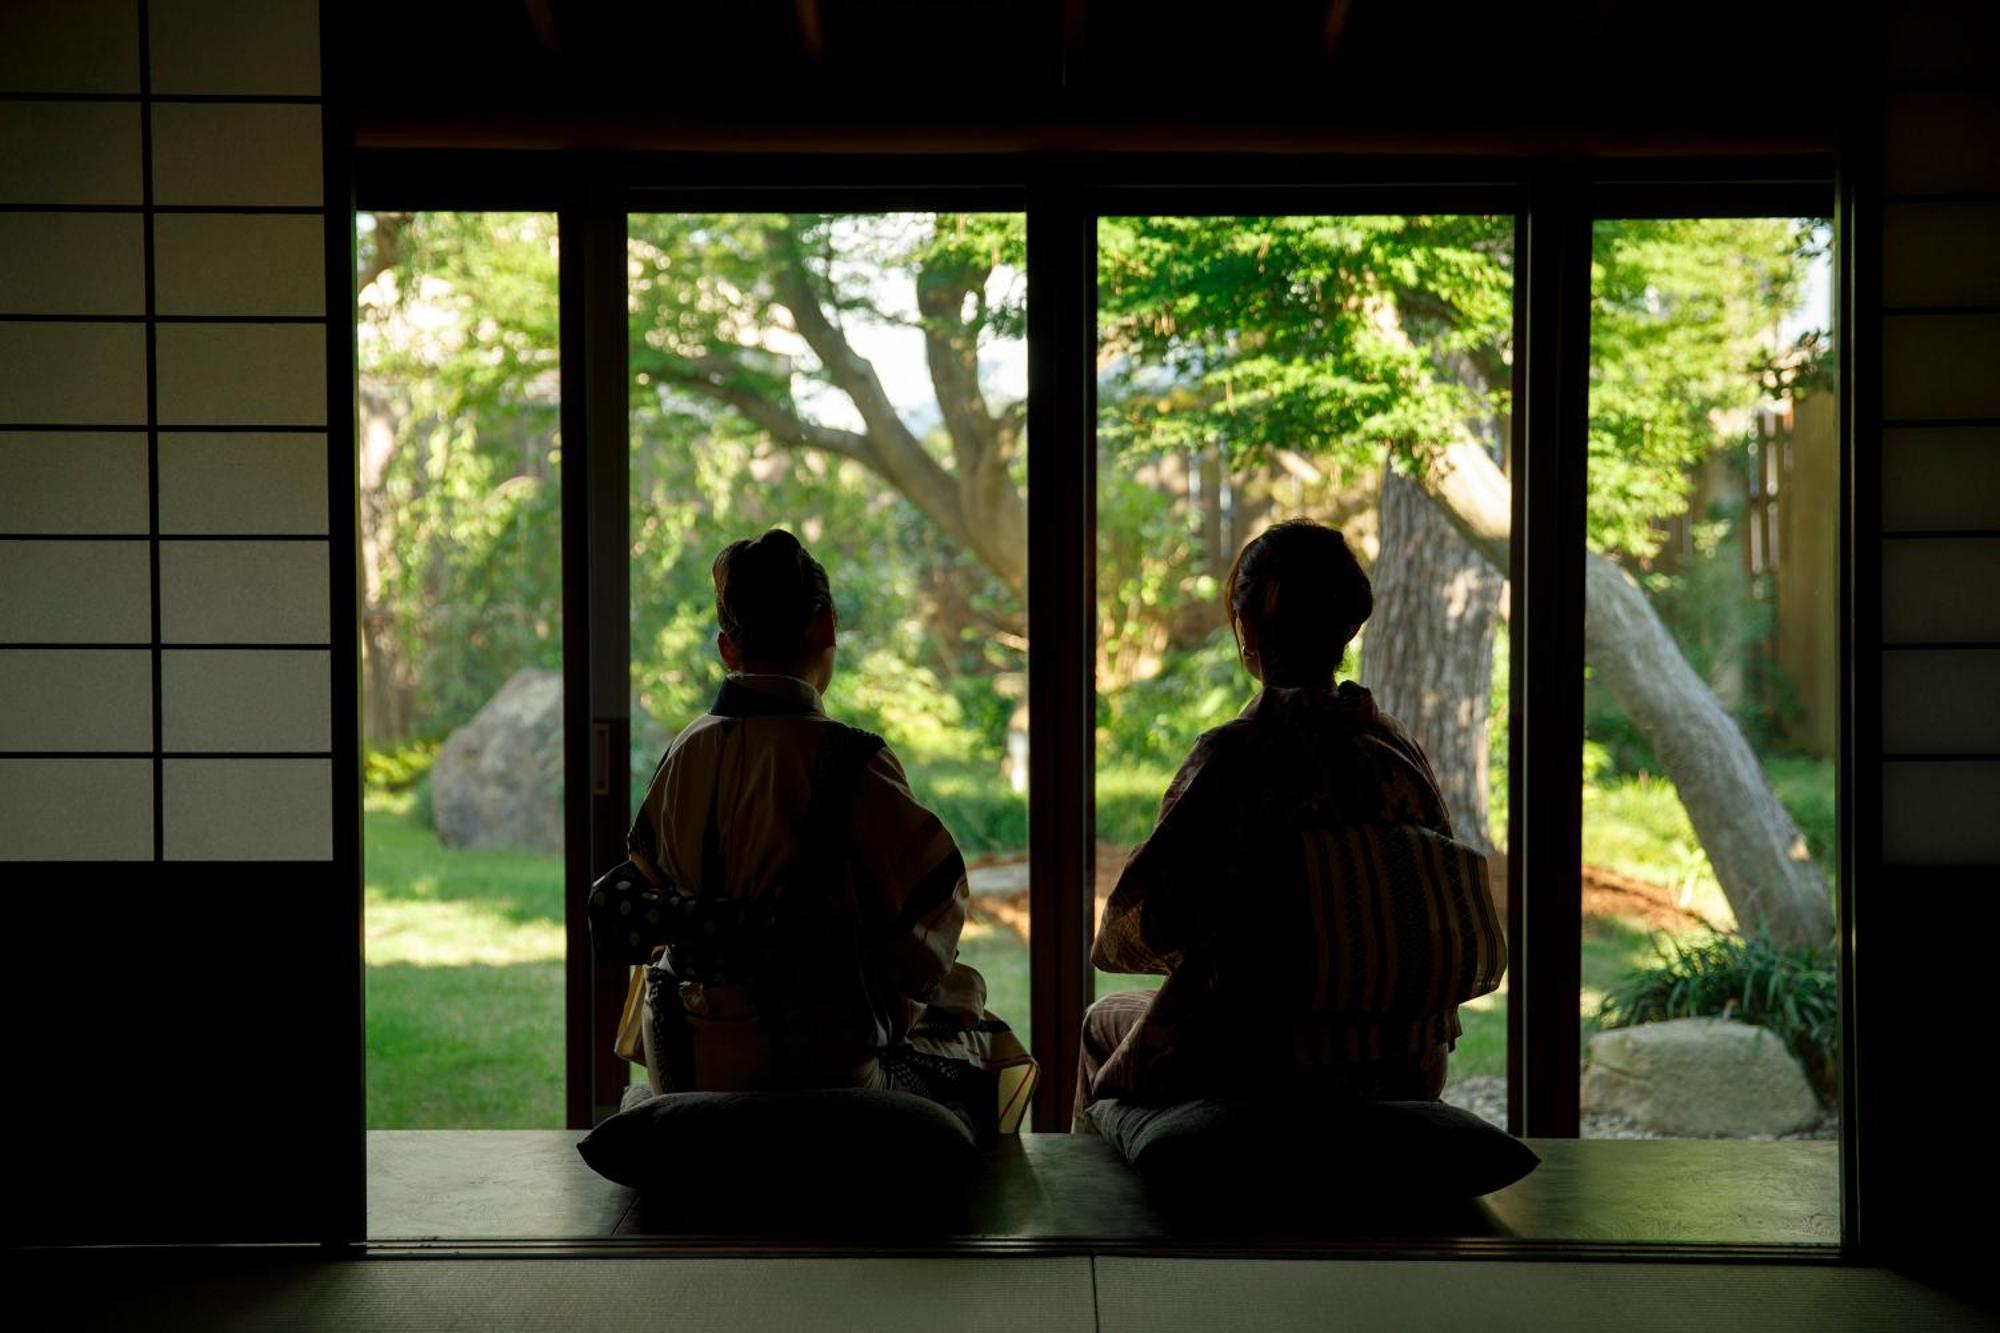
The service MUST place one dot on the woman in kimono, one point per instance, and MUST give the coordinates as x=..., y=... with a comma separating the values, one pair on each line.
x=767, y=801
x=1316, y=927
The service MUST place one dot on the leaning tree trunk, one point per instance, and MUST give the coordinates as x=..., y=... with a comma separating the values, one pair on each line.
x=1427, y=653
x=1758, y=854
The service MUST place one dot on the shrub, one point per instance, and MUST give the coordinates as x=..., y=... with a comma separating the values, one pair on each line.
x=1792, y=992
x=984, y=815
x=1154, y=721
x=401, y=768
x=421, y=812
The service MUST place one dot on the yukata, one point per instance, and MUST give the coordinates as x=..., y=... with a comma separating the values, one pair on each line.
x=1275, y=895
x=887, y=1004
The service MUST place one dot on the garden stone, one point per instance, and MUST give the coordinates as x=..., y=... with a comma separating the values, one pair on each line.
x=1006, y=878
x=498, y=780
x=1699, y=1078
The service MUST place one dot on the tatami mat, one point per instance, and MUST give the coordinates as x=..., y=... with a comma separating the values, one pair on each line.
x=560, y=1295
x=220, y=1293
x=1279, y=1296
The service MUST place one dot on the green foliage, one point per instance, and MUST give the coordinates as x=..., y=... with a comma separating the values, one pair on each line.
x=421, y=809
x=458, y=352
x=458, y=347
x=1128, y=801
x=924, y=626
x=1155, y=719
x=1634, y=824
x=1682, y=313
x=1792, y=992
x=1342, y=336
x=983, y=814
x=1330, y=335
x=1338, y=338
x=398, y=769
x=1808, y=789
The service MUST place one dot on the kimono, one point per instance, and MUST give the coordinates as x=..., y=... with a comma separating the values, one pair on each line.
x=886, y=1004
x=1276, y=896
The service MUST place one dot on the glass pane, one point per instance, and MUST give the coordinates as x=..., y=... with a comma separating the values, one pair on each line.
x=461, y=669
x=862, y=382
x=1252, y=370
x=1712, y=633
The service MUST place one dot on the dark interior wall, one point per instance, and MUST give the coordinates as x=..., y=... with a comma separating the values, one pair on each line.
x=1014, y=75
x=1926, y=403
x=177, y=770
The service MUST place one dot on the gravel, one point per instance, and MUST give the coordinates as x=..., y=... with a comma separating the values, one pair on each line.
x=1486, y=1096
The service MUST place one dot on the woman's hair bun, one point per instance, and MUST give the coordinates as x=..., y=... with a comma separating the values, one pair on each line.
x=1300, y=586
x=767, y=592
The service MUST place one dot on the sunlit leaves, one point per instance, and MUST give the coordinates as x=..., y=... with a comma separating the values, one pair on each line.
x=1324, y=335
x=459, y=363
x=1685, y=316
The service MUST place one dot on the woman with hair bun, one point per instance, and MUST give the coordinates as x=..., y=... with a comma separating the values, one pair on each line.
x=814, y=906
x=1301, y=892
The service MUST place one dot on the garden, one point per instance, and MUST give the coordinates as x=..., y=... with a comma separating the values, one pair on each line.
x=862, y=381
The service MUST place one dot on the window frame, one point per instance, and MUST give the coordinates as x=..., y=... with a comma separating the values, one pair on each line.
x=1555, y=203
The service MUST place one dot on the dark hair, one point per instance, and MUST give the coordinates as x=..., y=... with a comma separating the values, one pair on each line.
x=1302, y=589
x=767, y=592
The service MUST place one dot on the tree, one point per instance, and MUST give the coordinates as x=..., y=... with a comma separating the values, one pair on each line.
x=1429, y=654
x=459, y=410
x=1244, y=356
x=735, y=308
x=1351, y=333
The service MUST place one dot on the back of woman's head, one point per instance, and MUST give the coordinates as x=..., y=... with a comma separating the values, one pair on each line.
x=767, y=593
x=1303, y=596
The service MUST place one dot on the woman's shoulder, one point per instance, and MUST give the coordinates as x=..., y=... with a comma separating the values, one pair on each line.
x=844, y=746
x=1384, y=729
x=1224, y=743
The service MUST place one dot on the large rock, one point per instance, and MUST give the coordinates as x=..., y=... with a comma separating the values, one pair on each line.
x=498, y=780
x=1699, y=1078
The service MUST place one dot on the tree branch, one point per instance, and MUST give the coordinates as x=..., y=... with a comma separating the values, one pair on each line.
x=388, y=248
x=898, y=455
x=786, y=427
x=851, y=373
x=979, y=448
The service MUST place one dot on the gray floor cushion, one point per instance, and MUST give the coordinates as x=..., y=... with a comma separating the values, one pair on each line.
x=830, y=1137
x=1321, y=1152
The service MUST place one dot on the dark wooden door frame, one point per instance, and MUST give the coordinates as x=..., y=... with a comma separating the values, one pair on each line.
x=597, y=727
x=1555, y=204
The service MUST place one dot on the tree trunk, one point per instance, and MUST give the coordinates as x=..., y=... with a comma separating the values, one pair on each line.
x=1209, y=476
x=388, y=695
x=1428, y=649
x=1758, y=854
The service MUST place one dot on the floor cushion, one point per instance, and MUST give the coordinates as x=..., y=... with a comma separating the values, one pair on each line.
x=1318, y=1151
x=827, y=1137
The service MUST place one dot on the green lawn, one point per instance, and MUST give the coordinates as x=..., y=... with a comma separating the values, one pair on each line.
x=465, y=980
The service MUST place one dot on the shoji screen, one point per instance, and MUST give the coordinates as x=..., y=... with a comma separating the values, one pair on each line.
x=170, y=650
x=1927, y=469
x=163, y=475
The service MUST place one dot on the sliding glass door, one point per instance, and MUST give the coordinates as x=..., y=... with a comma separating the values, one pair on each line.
x=460, y=506
x=1352, y=370
x=1712, y=707
x=860, y=380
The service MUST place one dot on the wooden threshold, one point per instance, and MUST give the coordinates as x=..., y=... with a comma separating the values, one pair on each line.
x=443, y=1193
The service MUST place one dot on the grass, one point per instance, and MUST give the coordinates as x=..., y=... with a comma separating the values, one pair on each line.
x=464, y=980
x=465, y=948
x=986, y=818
